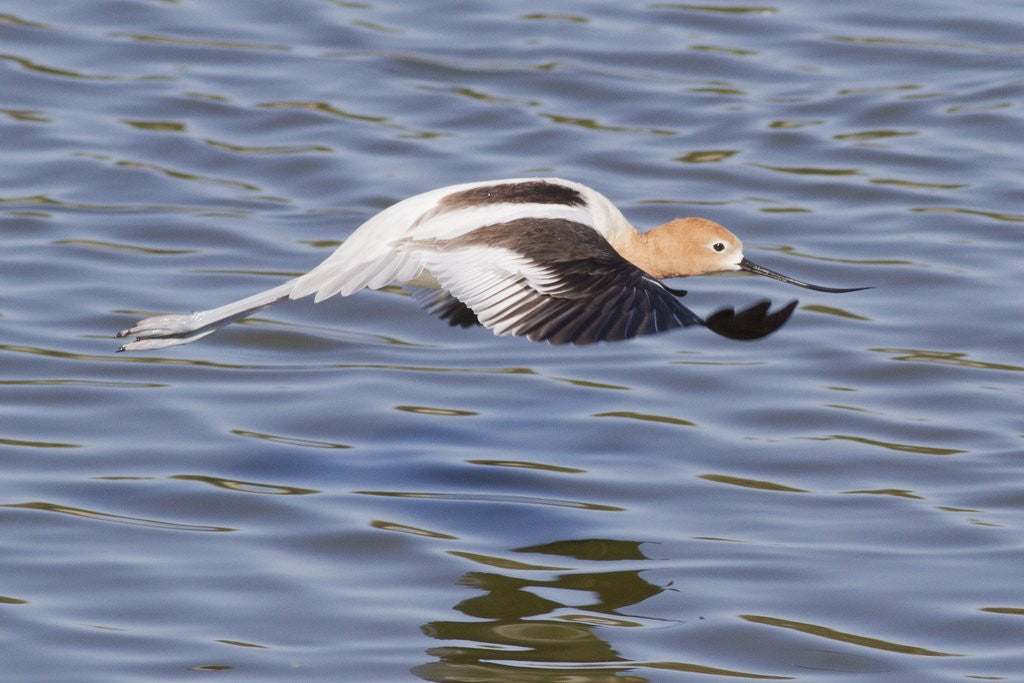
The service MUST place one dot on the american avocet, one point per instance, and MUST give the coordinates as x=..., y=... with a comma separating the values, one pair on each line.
x=548, y=259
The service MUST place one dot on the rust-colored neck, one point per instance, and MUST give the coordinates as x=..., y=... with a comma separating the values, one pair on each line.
x=678, y=248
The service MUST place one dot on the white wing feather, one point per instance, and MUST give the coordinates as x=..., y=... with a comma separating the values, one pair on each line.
x=494, y=283
x=374, y=255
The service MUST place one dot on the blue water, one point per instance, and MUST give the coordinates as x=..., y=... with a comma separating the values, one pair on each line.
x=354, y=491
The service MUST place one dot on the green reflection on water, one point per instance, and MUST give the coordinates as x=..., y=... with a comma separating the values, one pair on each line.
x=195, y=42
x=493, y=498
x=288, y=440
x=890, y=445
x=408, y=529
x=1017, y=611
x=763, y=10
x=37, y=444
x=246, y=486
x=591, y=384
x=324, y=107
x=378, y=28
x=116, y=246
x=832, y=310
x=874, y=134
x=18, y=21
x=704, y=156
x=956, y=358
x=241, y=643
x=159, y=126
x=428, y=410
x=852, y=638
x=918, y=184
x=268, y=149
x=32, y=115
x=525, y=464
x=899, y=493
x=118, y=519
x=646, y=417
x=809, y=170
x=994, y=215
x=733, y=51
x=593, y=124
x=30, y=65
x=750, y=483
x=543, y=16
x=188, y=177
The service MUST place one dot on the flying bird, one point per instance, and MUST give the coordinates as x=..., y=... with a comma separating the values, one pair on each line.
x=544, y=258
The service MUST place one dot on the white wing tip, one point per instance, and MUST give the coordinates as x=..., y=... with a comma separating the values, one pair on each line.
x=160, y=331
x=140, y=344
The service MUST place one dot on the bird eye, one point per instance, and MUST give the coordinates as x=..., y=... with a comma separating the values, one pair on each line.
x=718, y=246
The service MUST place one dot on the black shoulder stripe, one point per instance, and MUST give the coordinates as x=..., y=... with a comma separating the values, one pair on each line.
x=525, y=192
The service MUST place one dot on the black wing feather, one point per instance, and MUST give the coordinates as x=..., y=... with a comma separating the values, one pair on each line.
x=597, y=295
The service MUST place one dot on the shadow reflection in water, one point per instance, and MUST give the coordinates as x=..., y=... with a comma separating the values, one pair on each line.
x=538, y=626
x=517, y=621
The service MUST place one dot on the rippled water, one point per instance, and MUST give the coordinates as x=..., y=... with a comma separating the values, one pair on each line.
x=354, y=491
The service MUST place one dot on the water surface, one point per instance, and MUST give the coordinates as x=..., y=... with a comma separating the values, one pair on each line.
x=354, y=491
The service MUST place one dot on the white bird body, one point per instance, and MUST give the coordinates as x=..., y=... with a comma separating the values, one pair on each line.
x=547, y=258
x=377, y=252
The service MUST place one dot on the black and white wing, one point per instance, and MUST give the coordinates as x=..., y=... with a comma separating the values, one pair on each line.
x=554, y=280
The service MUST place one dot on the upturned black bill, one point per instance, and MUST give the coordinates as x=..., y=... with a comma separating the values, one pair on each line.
x=751, y=267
